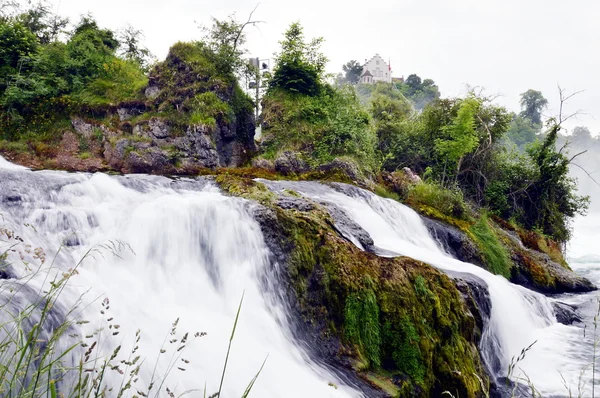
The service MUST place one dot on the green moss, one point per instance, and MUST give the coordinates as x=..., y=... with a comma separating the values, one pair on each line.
x=361, y=325
x=494, y=253
x=406, y=311
x=245, y=188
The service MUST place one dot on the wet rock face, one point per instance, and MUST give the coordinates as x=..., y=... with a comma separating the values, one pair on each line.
x=454, y=242
x=475, y=293
x=312, y=336
x=565, y=313
x=538, y=272
x=531, y=268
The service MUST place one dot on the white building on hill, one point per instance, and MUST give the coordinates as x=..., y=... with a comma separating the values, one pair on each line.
x=376, y=70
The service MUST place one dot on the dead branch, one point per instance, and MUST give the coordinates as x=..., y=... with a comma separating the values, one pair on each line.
x=563, y=99
x=248, y=22
x=586, y=172
x=580, y=153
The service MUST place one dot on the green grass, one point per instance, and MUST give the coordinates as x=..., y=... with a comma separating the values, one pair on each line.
x=448, y=202
x=494, y=253
x=385, y=193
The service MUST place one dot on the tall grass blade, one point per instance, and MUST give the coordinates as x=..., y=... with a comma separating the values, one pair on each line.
x=229, y=347
x=249, y=388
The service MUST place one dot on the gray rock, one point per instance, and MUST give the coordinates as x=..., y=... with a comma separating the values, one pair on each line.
x=475, y=292
x=82, y=127
x=154, y=128
x=347, y=167
x=411, y=176
x=349, y=229
x=565, y=313
x=198, y=147
x=290, y=163
x=454, y=242
x=264, y=164
x=290, y=202
x=148, y=160
x=151, y=92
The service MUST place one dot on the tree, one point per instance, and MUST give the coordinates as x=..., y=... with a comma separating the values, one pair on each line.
x=420, y=92
x=521, y=132
x=226, y=38
x=552, y=199
x=43, y=23
x=413, y=81
x=353, y=71
x=532, y=104
x=581, y=133
x=300, y=66
x=461, y=135
x=132, y=50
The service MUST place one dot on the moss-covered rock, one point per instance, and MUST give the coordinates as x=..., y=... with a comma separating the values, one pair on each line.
x=398, y=323
x=193, y=115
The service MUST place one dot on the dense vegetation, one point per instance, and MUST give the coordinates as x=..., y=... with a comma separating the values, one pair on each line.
x=48, y=71
x=460, y=144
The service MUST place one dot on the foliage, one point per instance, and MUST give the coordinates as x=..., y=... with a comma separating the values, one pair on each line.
x=226, y=40
x=522, y=132
x=321, y=128
x=43, y=79
x=40, y=20
x=132, y=50
x=536, y=190
x=460, y=136
x=420, y=93
x=449, y=202
x=532, y=104
x=553, y=197
x=302, y=113
x=352, y=71
x=300, y=66
x=120, y=80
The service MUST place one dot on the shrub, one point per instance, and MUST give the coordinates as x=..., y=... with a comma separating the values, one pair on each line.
x=449, y=202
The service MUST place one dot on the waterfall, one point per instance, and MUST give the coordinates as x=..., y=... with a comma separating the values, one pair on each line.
x=519, y=317
x=161, y=250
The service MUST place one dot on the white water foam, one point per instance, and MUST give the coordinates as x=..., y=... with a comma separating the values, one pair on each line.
x=519, y=316
x=193, y=253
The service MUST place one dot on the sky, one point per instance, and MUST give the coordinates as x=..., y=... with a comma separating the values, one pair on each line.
x=502, y=46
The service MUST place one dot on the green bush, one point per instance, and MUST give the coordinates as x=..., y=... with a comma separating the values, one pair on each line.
x=119, y=81
x=300, y=67
x=321, y=128
x=449, y=202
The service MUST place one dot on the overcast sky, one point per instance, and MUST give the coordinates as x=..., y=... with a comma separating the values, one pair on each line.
x=506, y=46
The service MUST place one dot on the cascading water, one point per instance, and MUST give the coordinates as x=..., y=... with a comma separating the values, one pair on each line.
x=193, y=252
x=519, y=316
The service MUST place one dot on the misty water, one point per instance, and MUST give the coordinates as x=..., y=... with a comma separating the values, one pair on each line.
x=186, y=251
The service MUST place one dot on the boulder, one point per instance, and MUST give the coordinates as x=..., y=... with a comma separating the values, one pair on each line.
x=261, y=163
x=290, y=163
x=346, y=167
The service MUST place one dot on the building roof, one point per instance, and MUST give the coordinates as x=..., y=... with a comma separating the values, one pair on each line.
x=367, y=73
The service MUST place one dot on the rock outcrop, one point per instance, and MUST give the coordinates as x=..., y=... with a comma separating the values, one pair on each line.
x=389, y=326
